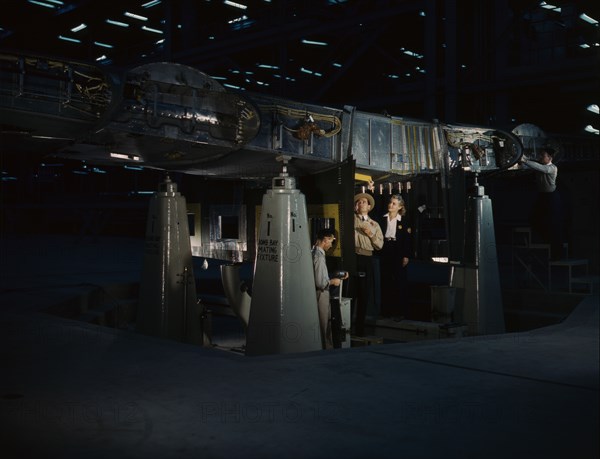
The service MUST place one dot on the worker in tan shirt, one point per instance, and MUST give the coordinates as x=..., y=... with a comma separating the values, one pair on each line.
x=367, y=238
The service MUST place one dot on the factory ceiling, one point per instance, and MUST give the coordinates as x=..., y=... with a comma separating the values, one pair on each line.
x=379, y=55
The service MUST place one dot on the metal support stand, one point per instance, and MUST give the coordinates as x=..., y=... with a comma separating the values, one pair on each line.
x=283, y=310
x=478, y=280
x=168, y=307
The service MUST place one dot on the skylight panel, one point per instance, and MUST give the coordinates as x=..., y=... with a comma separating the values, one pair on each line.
x=550, y=7
x=313, y=42
x=72, y=40
x=310, y=72
x=151, y=4
x=150, y=29
x=116, y=23
x=44, y=4
x=79, y=27
x=592, y=129
x=258, y=82
x=124, y=156
x=411, y=53
x=589, y=19
x=135, y=16
x=238, y=19
x=6, y=178
x=241, y=23
x=235, y=4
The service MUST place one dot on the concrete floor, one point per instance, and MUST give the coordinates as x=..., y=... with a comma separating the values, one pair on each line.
x=70, y=389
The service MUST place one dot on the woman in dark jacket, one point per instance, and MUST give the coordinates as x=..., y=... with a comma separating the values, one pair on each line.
x=394, y=258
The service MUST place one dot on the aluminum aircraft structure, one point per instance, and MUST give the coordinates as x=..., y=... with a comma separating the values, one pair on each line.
x=175, y=118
